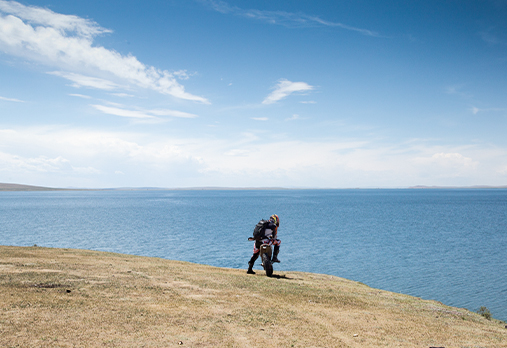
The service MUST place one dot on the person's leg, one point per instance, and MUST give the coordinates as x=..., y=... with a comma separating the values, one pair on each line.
x=256, y=252
x=251, y=263
x=276, y=250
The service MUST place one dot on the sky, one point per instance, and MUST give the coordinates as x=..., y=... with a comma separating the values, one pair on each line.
x=211, y=93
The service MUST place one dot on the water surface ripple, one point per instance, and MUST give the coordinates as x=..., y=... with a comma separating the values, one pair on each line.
x=446, y=245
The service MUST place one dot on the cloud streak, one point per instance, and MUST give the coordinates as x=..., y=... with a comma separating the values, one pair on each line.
x=86, y=81
x=287, y=19
x=142, y=114
x=284, y=88
x=11, y=99
x=66, y=42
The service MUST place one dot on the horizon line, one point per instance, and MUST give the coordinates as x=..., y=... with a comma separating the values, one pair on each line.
x=24, y=187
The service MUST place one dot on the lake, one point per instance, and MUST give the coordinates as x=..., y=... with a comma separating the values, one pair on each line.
x=448, y=245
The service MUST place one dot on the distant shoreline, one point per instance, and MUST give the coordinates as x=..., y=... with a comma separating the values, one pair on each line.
x=22, y=187
x=19, y=187
x=458, y=187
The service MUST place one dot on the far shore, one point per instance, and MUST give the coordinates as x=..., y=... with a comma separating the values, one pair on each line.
x=22, y=187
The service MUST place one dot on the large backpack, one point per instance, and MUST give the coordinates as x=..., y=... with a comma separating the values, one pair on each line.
x=259, y=229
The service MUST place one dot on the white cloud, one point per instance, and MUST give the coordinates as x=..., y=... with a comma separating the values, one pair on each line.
x=285, y=88
x=41, y=165
x=183, y=75
x=260, y=118
x=62, y=156
x=80, y=96
x=503, y=170
x=66, y=41
x=476, y=110
x=173, y=113
x=236, y=152
x=45, y=17
x=142, y=114
x=86, y=81
x=293, y=118
x=453, y=159
x=12, y=100
x=122, y=112
x=450, y=165
x=122, y=95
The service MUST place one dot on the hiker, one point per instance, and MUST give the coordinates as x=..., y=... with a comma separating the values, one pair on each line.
x=270, y=228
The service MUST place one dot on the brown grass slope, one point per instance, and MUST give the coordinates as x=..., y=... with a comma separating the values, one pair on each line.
x=77, y=298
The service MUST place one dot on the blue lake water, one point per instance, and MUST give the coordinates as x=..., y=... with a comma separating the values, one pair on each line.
x=444, y=245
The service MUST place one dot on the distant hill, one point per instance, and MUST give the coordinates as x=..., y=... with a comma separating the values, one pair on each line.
x=458, y=187
x=18, y=187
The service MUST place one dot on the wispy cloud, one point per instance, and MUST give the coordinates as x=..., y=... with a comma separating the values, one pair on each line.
x=42, y=164
x=172, y=113
x=288, y=19
x=122, y=112
x=457, y=90
x=142, y=114
x=285, y=88
x=66, y=41
x=80, y=96
x=476, y=110
x=452, y=164
x=260, y=118
x=293, y=118
x=492, y=38
x=122, y=95
x=83, y=27
x=86, y=81
x=12, y=100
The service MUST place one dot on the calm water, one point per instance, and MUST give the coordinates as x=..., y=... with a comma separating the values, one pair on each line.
x=445, y=245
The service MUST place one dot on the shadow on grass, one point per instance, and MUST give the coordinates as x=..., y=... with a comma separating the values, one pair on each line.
x=283, y=276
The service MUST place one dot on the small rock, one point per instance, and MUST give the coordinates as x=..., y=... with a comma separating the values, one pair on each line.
x=356, y=335
x=180, y=343
x=68, y=291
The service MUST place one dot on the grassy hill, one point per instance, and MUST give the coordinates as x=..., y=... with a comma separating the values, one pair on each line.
x=77, y=298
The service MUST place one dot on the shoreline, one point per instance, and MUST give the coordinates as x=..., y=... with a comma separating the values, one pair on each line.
x=9, y=187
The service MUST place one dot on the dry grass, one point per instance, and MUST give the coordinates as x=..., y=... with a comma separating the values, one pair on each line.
x=77, y=298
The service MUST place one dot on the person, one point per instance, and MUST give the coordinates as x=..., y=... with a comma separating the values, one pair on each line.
x=271, y=229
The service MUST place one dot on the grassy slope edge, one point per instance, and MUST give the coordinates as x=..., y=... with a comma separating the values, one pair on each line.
x=67, y=298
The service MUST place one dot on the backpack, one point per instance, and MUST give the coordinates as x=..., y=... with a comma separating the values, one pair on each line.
x=259, y=229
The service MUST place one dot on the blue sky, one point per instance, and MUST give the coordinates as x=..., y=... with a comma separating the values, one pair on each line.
x=188, y=93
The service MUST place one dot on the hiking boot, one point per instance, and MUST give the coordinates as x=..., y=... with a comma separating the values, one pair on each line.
x=275, y=254
x=250, y=270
